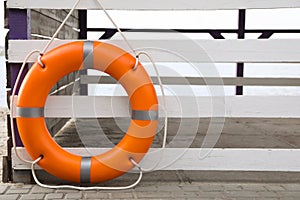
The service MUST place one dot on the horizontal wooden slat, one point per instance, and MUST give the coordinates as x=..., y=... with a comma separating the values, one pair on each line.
x=181, y=106
x=286, y=160
x=156, y=4
x=85, y=79
x=203, y=51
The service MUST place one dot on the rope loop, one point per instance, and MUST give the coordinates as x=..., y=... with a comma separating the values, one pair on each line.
x=40, y=61
x=135, y=164
x=137, y=60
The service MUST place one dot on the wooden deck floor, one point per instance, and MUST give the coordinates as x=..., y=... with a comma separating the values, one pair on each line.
x=237, y=133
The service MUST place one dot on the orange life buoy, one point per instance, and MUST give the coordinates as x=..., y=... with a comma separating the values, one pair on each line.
x=64, y=60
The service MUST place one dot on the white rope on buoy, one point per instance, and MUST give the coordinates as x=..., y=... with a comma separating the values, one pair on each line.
x=41, y=53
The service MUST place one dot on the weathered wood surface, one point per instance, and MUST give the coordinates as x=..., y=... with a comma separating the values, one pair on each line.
x=45, y=22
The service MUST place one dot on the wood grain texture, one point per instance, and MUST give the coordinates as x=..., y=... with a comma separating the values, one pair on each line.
x=45, y=23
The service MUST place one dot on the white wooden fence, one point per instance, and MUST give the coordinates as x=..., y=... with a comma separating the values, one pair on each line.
x=219, y=51
x=157, y=4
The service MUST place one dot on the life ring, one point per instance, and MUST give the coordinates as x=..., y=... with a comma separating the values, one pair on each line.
x=34, y=92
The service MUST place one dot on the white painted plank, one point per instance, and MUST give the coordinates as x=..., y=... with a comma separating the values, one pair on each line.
x=202, y=51
x=181, y=106
x=156, y=4
x=285, y=160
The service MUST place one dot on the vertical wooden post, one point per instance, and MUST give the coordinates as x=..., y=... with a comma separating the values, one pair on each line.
x=241, y=35
x=19, y=28
x=82, y=14
x=83, y=35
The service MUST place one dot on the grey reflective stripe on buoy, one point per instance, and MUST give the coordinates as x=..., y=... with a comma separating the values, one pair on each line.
x=85, y=169
x=29, y=112
x=144, y=114
x=88, y=54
